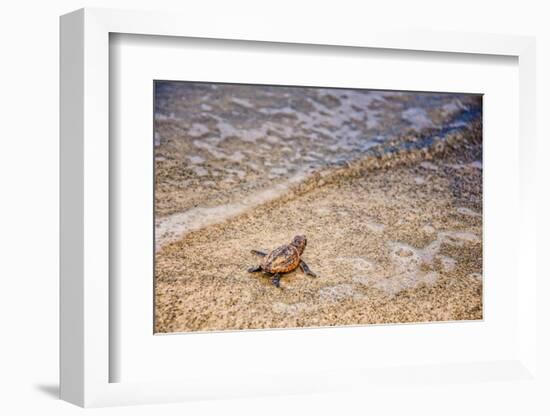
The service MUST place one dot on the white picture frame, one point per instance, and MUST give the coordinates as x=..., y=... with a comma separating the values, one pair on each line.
x=85, y=220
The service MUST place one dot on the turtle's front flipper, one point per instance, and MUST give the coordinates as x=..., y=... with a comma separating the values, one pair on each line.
x=255, y=269
x=259, y=253
x=306, y=269
x=276, y=280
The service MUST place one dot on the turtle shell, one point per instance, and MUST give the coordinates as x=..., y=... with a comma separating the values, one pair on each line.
x=281, y=260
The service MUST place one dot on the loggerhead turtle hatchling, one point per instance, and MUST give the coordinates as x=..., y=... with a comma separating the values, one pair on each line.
x=283, y=259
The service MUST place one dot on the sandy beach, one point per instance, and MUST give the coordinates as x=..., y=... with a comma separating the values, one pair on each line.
x=388, y=191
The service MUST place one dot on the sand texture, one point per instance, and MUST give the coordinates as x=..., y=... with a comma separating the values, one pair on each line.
x=392, y=209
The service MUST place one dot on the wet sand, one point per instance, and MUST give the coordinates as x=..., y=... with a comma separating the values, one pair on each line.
x=398, y=244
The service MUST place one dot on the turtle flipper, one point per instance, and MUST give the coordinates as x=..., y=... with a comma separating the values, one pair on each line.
x=305, y=268
x=255, y=269
x=259, y=253
x=276, y=280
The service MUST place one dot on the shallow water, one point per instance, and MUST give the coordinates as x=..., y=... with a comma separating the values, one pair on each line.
x=292, y=127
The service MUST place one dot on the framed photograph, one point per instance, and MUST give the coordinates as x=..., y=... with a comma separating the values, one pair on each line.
x=285, y=212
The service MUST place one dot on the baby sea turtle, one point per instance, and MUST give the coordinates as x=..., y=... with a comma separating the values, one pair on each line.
x=283, y=259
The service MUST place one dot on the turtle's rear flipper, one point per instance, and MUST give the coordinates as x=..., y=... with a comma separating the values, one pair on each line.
x=255, y=269
x=276, y=280
x=306, y=269
x=259, y=253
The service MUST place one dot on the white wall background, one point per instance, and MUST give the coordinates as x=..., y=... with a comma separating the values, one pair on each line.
x=29, y=56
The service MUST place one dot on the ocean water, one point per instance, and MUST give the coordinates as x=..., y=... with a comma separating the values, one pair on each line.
x=283, y=129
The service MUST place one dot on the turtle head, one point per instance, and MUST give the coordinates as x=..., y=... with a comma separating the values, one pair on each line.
x=300, y=242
